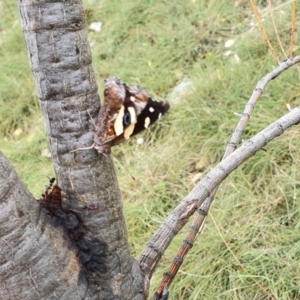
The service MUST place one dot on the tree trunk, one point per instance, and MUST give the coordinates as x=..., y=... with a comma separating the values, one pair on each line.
x=40, y=258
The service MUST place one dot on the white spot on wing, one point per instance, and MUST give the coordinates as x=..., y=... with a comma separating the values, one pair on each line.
x=151, y=109
x=132, y=98
x=160, y=115
x=118, y=125
x=147, y=122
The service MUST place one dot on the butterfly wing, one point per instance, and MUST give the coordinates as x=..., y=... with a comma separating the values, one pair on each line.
x=114, y=96
x=127, y=110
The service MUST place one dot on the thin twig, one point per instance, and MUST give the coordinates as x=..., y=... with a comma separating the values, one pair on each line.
x=182, y=252
x=201, y=213
x=180, y=215
x=293, y=28
x=275, y=29
x=263, y=31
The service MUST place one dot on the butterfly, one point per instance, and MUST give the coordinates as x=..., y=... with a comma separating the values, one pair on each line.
x=127, y=110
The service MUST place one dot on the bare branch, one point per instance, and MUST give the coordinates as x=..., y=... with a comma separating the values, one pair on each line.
x=257, y=92
x=180, y=215
x=201, y=213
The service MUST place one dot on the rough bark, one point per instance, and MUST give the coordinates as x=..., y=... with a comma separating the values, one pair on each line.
x=47, y=262
x=35, y=262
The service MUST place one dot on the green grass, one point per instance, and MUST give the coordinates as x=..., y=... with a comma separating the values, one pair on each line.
x=156, y=44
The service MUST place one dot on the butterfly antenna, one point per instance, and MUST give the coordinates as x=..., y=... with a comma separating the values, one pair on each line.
x=91, y=119
x=124, y=168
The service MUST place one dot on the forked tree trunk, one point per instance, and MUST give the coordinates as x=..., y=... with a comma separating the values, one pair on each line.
x=36, y=260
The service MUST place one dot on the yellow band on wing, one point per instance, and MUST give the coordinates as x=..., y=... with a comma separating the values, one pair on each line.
x=118, y=125
x=128, y=131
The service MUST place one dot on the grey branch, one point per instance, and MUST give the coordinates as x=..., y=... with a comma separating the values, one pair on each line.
x=180, y=215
